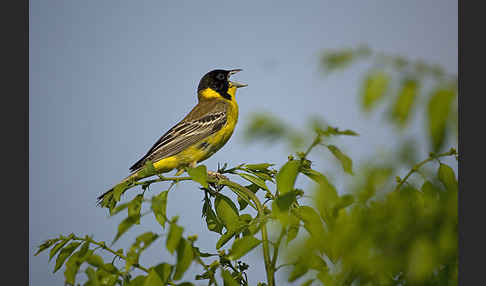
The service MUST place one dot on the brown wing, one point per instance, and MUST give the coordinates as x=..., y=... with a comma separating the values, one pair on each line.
x=204, y=119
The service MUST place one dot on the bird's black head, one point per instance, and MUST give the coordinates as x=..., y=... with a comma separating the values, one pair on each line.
x=218, y=80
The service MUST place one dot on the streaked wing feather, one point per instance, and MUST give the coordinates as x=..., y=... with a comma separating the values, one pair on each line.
x=184, y=134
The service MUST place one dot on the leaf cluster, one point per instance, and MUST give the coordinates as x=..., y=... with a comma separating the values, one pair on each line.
x=385, y=230
x=408, y=86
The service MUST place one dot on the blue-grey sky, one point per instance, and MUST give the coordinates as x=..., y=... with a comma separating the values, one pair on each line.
x=107, y=78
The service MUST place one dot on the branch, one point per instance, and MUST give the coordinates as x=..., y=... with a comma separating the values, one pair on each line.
x=228, y=183
x=261, y=214
x=415, y=168
x=103, y=246
x=275, y=249
x=160, y=179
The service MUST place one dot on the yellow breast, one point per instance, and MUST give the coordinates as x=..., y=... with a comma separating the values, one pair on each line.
x=218, y=139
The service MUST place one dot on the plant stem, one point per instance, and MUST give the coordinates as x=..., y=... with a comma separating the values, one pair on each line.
x=103, y=246
x=199, y=260
x=316, y=142
x=420, y=164
x=276, y=247
x=161, y=179
x=266, y=251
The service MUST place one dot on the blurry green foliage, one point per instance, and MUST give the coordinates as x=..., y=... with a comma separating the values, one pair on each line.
x=409, y=85
x=438, y=110
x=374, y=89
x=406, y=98
x=381, y=228
x=342, y=58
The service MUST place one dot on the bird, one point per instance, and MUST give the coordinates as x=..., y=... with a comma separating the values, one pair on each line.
x=200, y=134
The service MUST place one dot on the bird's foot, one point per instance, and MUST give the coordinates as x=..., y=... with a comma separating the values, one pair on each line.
x=217, y=175
x=215, y=186
x=179, y=172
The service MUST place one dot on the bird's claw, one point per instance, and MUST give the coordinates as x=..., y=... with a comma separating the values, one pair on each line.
x=217, y=175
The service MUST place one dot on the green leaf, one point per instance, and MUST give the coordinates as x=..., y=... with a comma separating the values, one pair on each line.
x=72, y=268
x=293, y=228
x=326, y=196
x=438, y=109
x=242, y=246
x=429, y=189
x=141, y=243
x=135, y=206
x=83, y=252
x=242, y=203
x=132, y=257
x=255, y=180
x=48, y=243
x=334, y=60
x=258, y=167
x=404, y=103
x=95, y=260
x=225, y=238
x=212, y=221
x=159, y=207
x=164, y=270
x=306, y=262
x=375, y=87
x=110, y=268
x=118, y=190
x=226, y=211
x=285, y=201
x=174, y=237
x=126, y=224
x=343, y=202
x=58, y=247
x=65, y=253
x=119, y=208
x=153, y=279
x=262, y=175
x=228, y=279
x=375, y=178
x=243, y=199
x=316, y=262
x=318, y=177
x=147, y=238
x=335, y=131
x=106, y=278
x=205, y=275
x=299, y=270
x=92, y=278
x=448, y=177
x=138, y=281
x=312, y=222
x=287, y=175
x=199, y=174
x=346, y=162
x=184, y=258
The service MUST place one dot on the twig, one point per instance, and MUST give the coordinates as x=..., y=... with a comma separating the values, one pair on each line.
x=261, y=214
x=103, y=246
x=415, y=168
x=276, y=247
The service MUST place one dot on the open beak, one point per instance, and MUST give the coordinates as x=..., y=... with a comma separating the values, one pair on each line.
x=235, y=83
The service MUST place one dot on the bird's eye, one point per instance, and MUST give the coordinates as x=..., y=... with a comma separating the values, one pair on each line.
x=220, y=76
